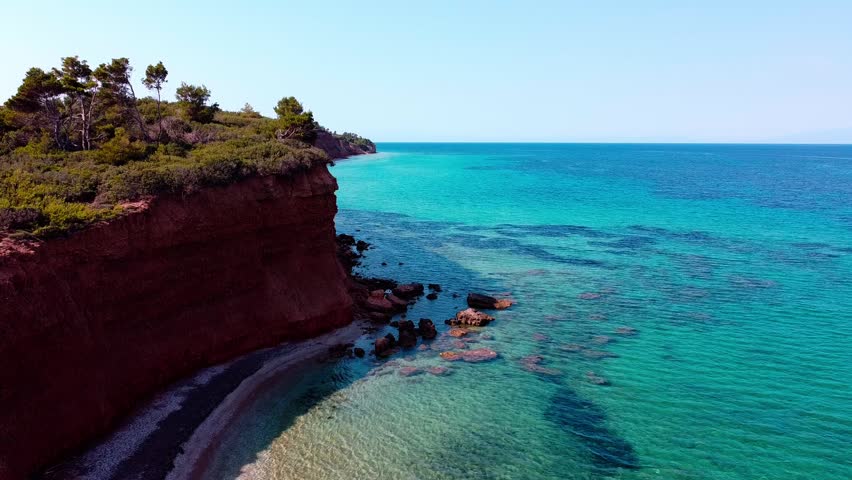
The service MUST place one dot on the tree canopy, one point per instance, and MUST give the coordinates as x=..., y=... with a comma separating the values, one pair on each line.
x=76, y=142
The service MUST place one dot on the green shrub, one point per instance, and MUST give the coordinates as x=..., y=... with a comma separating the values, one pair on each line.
x=120, y=149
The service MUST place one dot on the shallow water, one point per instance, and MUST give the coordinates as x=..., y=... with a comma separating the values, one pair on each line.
x=733, y=264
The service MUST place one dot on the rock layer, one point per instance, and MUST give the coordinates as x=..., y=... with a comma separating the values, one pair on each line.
x=92, y=323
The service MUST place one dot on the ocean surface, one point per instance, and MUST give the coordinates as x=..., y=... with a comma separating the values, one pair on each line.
x=710, y=285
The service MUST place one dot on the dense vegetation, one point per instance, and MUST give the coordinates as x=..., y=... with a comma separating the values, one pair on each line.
x=357, y=140
x=75, y=142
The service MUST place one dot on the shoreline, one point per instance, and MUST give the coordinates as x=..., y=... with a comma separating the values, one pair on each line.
x=198, y=450
x=170, y=436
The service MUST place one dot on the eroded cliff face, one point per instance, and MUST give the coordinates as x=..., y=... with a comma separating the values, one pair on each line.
x=92, y=323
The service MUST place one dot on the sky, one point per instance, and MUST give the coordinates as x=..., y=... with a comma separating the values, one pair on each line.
x=539, y=71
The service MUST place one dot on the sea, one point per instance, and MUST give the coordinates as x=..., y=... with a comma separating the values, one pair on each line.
x=682, y=312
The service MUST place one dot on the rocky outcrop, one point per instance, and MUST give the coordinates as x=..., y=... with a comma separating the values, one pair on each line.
x=337, y=146
x=93, y=323
x=377, y=302
x=384, y=345
x=487, y=302
x=408, y=290
x=427, y=329
x=472, y=317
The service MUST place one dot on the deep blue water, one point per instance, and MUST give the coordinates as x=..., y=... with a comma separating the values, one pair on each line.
x=731, y=263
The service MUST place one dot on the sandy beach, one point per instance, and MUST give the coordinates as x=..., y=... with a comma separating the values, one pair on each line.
x=171, y=435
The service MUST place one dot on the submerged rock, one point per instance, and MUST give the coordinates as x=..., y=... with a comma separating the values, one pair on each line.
x=470, y=356
x=532, y=363
x=450, y=356
x=598, y=354
x=479, y=355
x=589, y=296
x=359, y=352
x=438, y=371
x=540, y=337
x=432, y=296
x=458, y=332
x=571, y=347
x=626, y=331
x=434, y=287
x=478, y=300
x=596, y=379
x=409, y=371
x=587, y=423
x=532, y=360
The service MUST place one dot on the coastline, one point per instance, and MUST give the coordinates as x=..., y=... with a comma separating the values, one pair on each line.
x=171, y=435
x=197, y=451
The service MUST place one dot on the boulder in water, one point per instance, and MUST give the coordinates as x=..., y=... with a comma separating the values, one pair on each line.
x=427, y=329
x=471, y=317
x=407, y=338
x=398, y=304
x=478, y=300
x=377, y=302
x=384, y=346
x=408, y=290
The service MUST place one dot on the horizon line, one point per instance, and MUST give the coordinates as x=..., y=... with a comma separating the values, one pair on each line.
x=849, y=143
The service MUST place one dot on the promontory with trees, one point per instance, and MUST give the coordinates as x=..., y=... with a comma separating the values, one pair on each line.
x=76, y=142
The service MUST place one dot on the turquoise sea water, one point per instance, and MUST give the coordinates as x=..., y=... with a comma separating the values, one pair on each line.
x=733, y=263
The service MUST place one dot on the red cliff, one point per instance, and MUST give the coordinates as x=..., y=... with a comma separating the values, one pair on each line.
x=92, y=323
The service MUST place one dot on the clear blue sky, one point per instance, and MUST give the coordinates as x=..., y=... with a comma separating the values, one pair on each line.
x=717, y=71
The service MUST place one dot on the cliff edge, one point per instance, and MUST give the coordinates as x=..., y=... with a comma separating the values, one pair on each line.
x=93, y=322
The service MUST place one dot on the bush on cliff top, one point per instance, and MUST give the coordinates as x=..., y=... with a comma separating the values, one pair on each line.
x=75, y=143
